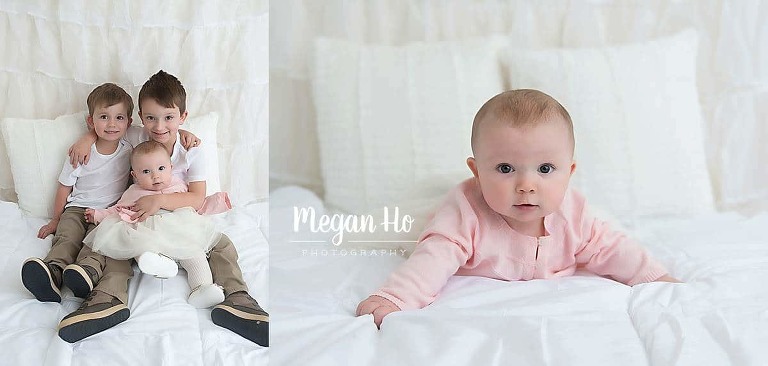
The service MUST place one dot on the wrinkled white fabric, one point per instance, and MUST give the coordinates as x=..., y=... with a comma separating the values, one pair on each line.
x=716, y=317
x=163, y=327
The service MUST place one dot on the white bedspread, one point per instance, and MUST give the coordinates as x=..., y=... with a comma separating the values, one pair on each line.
x=719, y=316
x=163, y=328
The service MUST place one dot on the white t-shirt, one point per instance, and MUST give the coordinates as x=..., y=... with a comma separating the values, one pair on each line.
x=102, y=181
x=188, y=165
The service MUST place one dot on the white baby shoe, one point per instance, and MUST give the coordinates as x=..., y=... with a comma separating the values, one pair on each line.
x=205, y=296
x=157, y=265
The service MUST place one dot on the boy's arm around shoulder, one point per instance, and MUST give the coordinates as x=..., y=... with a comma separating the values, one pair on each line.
x=188, y=139
x=80, y=152
x=59, y=201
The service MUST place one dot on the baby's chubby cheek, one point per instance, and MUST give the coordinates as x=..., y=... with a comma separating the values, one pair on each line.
x=499, y=205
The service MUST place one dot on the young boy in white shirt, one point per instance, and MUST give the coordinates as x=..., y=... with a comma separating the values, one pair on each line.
x=96, y=185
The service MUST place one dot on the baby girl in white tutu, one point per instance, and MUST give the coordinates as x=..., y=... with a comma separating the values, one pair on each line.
x=182, y=235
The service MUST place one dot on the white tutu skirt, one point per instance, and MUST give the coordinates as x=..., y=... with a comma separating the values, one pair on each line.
x=180, y=234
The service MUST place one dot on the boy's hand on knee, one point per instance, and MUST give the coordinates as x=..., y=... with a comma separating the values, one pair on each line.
x=378, y=306
x=48, y=229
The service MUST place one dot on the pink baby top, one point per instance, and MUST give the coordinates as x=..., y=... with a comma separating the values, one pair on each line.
x=213, y=204
x=466, y=237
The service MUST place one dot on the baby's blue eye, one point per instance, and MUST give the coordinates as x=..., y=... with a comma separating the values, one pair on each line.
x=504, y=168
x=546, y=168
x=161, y=168
x=145, y=171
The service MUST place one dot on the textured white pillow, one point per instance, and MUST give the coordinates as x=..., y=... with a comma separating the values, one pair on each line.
x=394, y=123
x=204, y=127
x=37, y=148
x=637, y=120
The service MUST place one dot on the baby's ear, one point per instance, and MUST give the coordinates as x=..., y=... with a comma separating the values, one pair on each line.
x=133, y=174
x=573, y=166
x=184, y=117
x=472, y=164
x=89, y=122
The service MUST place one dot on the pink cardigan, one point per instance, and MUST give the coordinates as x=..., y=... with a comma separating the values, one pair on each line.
x=213, y=204
x=467, y=238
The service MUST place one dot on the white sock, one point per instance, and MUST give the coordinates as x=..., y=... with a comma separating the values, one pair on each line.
x=206, y=296
x=198, y=271
x=204, y=292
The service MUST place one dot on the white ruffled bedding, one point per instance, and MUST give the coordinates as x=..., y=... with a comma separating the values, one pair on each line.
x=719, y=316
x=57, y=51
x=162, y=329
x=732, y=75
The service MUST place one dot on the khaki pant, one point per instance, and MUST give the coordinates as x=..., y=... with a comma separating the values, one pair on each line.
x=222, y=259
x=226, y=272
x=68, y=240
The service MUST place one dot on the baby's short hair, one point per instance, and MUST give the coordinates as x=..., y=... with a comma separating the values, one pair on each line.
x=147, y=147
x=108, y=94
x=166, y=89
x=520, y=108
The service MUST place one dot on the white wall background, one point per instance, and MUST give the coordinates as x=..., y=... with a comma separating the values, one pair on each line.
x=56, y=52
x=732, y=65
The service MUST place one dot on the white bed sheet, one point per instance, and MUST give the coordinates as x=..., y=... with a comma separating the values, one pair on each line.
x=163, y=328
x=719, y=316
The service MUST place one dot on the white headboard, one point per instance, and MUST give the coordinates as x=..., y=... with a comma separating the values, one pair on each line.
x=732, y=72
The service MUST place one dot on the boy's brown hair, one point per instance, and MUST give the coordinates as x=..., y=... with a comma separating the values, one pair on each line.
x=147, y=147
x=166, y=90
x=108, y=94
x=520, y=108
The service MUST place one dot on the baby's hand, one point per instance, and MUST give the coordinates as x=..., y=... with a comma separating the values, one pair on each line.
x=667, y=278
x=89, y=215
x=378, y=306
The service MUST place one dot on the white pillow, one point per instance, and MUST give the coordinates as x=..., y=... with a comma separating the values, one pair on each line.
x=37, y=149
x=394, y=123
x=204, y=127
x=637, y=120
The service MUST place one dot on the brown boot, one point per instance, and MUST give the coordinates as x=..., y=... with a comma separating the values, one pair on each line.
x=241, y=314
x=99, y=312
x=81, y=279
x=42, y=279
